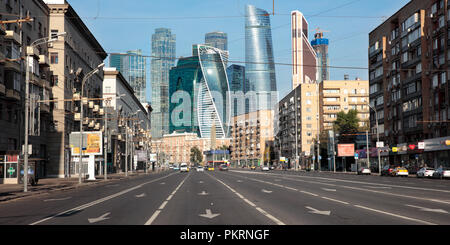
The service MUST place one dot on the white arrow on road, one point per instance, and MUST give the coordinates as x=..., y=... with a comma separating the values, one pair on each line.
x=239, y=181
x=325, y=189
x=101, y=218
x=163, y=183
x=203, y=193
x=429, y=209
x=209, y=214
x=266, y=191
x=141, y=195
x=315, y=211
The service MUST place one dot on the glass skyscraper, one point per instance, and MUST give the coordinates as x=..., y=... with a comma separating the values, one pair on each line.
x=199, y=85
x=163, y=58
x=217, y=40
x=132, y=65
x=260, y=65
x=238, y=87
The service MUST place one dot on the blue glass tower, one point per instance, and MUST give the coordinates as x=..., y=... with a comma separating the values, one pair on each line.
x=163, y=58
x=260, y=65
x=320, y=45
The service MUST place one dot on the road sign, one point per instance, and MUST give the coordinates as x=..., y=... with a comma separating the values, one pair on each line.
x=346, y=150
x=380, y=144
x=356, y=156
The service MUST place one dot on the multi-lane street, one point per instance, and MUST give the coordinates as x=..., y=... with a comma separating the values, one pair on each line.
x=241, y=197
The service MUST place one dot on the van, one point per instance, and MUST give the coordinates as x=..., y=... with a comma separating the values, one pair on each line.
x=184, y=167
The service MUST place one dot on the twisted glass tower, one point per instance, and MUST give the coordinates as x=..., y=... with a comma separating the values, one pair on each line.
x=199, y=91
x=260, y=65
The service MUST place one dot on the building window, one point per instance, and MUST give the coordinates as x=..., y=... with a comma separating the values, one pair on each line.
x=54, y=58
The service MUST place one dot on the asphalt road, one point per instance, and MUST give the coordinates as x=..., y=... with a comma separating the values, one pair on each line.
x=241, y=197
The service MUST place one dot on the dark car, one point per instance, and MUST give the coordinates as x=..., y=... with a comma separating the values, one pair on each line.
x=223, y=167
x=387, y=170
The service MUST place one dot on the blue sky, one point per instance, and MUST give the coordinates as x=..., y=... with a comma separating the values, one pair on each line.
x=128, y=25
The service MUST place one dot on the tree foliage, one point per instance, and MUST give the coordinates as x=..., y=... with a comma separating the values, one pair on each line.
x=196, y=155
x=347, y=124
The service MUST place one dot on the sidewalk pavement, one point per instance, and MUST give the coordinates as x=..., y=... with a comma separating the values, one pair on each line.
x=12, y=192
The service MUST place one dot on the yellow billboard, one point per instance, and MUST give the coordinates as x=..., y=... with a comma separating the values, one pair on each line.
x=92, y=143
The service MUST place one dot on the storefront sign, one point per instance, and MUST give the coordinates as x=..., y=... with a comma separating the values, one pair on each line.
x=437, y=144
x=421, y=145
x=394, y=149
x=412, y=147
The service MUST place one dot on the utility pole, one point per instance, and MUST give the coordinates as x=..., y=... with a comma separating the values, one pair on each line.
x=368, y=149
x=85, y=78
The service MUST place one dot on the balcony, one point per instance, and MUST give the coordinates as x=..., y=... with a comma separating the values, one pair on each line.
x=12, y=94
x=411, y=63
x=11, y=35
x=32, y=51
x=331, y=102
x=2, y=88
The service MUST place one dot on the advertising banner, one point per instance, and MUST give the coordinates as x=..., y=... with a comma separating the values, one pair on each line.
x=92, y=143
x=346, y=150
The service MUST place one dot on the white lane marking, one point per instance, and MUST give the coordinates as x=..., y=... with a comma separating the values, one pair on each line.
x=101, y=218
x=141, y=195
x=325, y=189
x=209, y=214
x=87, y=205
x=368, y=190
x=266, y=191
x=57, y=199
x=162, y=183
x=309, y=193
x=203, y=193
x=378, y=187
x=200, y=182
x=271, y=217
x=334, y=200
x=349, y=181
x=163, y=205
x=315, y=211
x=396, y=215
x=428, y=209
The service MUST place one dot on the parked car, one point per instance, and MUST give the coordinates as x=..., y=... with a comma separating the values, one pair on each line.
x=184, y=167
x=265, y=168
x=442, y=172
x=272, y=167
x=387, y=170
x=425, y=172
x=364, y=170
x=253, y=167
x=176, y=167
x=223, y=167
x=400, y=171
x=200, y=169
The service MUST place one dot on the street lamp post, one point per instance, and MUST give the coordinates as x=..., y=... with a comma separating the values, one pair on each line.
x=27, y=101
x=85, y=78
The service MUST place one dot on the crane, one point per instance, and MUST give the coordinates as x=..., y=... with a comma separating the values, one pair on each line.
x=319, y=33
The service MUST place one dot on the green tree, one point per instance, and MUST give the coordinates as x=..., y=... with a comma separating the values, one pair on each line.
x=196, y=155
x=347, y=125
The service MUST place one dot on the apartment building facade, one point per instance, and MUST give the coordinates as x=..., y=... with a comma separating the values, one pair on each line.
x=175, y=148
x=408, y=75
x=15, y=43
x=298, y=125
x=344, y=95
x=251, y=135
x=76, y=54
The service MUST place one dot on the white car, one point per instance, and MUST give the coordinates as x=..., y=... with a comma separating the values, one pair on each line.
x=184, y=167
x=425, y=172
x=442, y=172
x=265, y=168
x=364, y=170
x=200, y=169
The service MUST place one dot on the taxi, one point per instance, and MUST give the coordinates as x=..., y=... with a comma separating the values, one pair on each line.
x=400, y=171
